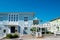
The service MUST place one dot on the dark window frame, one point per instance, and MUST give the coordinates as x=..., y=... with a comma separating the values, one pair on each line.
x=35, y=22
x=25, y=28
x=25, y=18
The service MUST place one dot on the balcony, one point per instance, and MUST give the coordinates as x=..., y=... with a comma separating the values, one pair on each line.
x=10, y=23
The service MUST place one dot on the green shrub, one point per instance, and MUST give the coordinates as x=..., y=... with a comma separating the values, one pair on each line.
x=33, y=29
x=9, y=36
x=12, y=36
x=15, y=36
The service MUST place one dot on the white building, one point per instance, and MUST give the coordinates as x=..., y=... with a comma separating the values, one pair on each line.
x=23, y=21
x=55, y=25
x=16, y=22
x=52, y=27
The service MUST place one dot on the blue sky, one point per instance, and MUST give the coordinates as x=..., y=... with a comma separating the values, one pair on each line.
x=45, y=10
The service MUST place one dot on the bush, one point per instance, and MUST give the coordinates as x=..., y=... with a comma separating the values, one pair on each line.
x=12, y=36
x=15, y=36
x=33, y=29
x=9, y=36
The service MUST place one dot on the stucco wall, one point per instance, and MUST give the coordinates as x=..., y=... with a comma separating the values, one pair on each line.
x=54, y=24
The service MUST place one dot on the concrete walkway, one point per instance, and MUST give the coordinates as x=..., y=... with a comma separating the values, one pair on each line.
x=29, y=37
x=46, y=37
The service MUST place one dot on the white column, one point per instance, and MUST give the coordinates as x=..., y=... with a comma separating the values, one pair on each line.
x=40, y=34
x=36, y=32
x=55, y=30
x=9, y=30
x=54, y=33
x=45, y=31
x=21, y=30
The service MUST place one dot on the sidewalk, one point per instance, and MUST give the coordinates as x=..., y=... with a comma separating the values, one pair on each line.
x=29, y=37
x=46, y=37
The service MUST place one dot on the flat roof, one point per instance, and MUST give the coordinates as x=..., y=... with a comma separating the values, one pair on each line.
x=20, y=13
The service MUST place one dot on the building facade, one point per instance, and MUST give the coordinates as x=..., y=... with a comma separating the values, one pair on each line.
x=55, y=25
x=16, y=22
x=22, y=22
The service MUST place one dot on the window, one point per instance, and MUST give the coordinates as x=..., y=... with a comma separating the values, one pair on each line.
x=1, y=18
x=35, y=22
x=25, y=28
x=38, y=29
x=0, y=28
x=25, y=18
x=58, y=28
x=13, y=17
x=9, y=17
x=4, y=31
x=16, y=17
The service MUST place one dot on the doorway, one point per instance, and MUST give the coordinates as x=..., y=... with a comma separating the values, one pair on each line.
x=12, y=29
